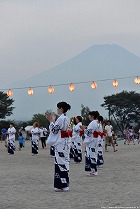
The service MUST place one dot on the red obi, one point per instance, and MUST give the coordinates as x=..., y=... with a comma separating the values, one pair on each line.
x=101, y=134
x=66, y=134
x=81, y=133
x=95, y=134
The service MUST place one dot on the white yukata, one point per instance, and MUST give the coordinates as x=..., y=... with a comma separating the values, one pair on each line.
x=72, y=145
x=61, y=140
x=77, y=138
x=11, y=140
x=35, y=140
x=91, y=141
x=100, y=159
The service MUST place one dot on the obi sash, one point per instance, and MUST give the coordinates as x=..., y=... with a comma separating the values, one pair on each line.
x=81, y=133
x=96, y=134
x=66, y=134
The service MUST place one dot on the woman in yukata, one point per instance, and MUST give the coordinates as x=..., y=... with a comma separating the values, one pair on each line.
x=60, y=138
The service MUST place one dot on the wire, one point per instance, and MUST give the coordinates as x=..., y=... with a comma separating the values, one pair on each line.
x=65, y=84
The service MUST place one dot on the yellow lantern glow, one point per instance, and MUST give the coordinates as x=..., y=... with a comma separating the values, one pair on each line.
x=137, y=80
x=93, y=85
x=115, y=83
x=71, y=87
x=9, y=93
x=30, y=91
x=50, y=89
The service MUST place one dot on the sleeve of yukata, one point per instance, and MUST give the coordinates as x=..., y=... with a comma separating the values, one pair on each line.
x=77, y=127
x=14, y=130
x=90, y=129
x=35, y=131
x=57, y=126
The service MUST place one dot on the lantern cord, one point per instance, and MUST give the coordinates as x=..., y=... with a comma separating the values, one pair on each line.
x=65, y=84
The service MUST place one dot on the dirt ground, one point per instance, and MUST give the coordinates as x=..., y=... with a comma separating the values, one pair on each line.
x=26, y=181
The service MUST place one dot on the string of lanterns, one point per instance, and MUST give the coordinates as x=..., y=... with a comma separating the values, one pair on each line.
x=72, y=86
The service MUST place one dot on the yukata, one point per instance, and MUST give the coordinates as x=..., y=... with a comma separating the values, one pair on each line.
x=72, y=145
x=11, y=140
x=91, y=141
x=100, y=160
x=60, y=138
x=77, y=138
x=35, y=140
x=52, y=151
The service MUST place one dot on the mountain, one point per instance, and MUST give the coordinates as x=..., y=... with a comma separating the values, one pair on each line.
x=98, y=63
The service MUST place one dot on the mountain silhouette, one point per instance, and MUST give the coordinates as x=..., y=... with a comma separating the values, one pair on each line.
x=98, y=63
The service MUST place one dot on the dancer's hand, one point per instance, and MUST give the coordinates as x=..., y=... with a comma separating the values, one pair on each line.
x=51, y=117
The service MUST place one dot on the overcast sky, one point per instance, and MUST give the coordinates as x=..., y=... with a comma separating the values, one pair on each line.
x=38, y=34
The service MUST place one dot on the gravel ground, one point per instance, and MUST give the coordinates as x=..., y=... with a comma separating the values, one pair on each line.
x=27, y=181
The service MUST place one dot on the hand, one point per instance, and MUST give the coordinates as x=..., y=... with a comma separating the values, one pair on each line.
x=51, y=117
x=83, y=127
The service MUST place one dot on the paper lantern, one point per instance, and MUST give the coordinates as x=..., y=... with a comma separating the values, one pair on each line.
x=30, y=91
x=115, y=83
x=50, y=89
x=72, y=87
x=137, y=80
x=93, y=85
x=9, y=93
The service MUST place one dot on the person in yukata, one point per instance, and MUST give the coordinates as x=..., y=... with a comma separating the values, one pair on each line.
x=60, y=138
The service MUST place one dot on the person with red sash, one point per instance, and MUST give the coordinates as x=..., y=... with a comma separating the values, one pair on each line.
x=91, y=141
x=77, y=138
x=60, y=138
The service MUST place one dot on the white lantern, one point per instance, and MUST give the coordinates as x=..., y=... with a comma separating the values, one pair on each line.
x=30, y=91
x=50, y=89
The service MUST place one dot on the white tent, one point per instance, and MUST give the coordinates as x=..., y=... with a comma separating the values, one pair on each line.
x=28, y=128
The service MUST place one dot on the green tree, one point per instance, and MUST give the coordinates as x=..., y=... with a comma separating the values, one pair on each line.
x=5, y=105
x=124, y=107
x=41, y=119
x=4, y=124
x=85, y=113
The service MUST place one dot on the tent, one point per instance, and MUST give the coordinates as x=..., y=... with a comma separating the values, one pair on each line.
x=28, y=128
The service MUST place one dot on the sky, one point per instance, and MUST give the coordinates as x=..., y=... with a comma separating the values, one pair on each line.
x=36, y=35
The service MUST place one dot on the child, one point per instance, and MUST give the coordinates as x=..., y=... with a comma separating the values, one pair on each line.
x=21, y=141
x=115, y=139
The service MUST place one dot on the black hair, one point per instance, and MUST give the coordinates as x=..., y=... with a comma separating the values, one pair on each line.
x=79, y=118
x=20, y=134
x=95, y=114
x=100, y=118
x=64, y=106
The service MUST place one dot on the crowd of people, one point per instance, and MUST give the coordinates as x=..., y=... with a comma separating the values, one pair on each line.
x=66, y=143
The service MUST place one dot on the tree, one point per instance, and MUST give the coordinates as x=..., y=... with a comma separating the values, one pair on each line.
x=85, y=114
x=4, y=124
x=41, y=119
x=124, y=107
x=5, y=105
